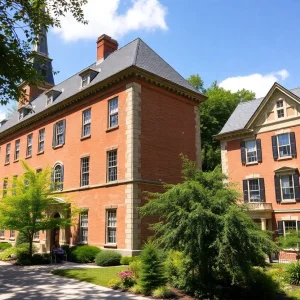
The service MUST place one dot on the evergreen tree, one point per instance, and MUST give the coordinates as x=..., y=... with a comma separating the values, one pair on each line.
x=152, y=269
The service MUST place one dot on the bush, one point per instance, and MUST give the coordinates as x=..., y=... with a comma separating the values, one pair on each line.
x=114, y=284
x=136, y=289
x=152, y=269
x=293, y=271
x=41, y=259
x=108, y=258
x=23, y=255
x=162, y=292
x=4, y=246
x=84, y=254
x=176, y=269
x=126, y=260
x=21, y=239
x=127, y=278
x=135, y=267
x=9, y=253
x=68, y=250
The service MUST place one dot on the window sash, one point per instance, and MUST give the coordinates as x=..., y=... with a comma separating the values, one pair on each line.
x=289, y=225
x=41, y=140
x=17, y=150
x=7, y=155
x=112, y=169
x=12, y=234
x=85, y=171
x=113, y=112
x=284, y=145
x=111, y=226
x=2, y=232
x=86, y=122
x=251, y=151
x=84, y=227
x=29, y=145
x=57, y=177
x=85, y=80
x=254, y=190
x=59, y=133
x=287, y=187
x=36, y=235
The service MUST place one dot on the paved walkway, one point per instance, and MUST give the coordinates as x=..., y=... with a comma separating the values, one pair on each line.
x=35, y=282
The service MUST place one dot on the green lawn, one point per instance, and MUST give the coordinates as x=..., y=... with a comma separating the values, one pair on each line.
x=99, y=276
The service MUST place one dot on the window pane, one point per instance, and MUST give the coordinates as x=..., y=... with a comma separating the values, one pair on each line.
x=289, y=225
x=86, y=122
x=111, y=225
x=284, y=146
x=287, y=187
x=283, y=139
x=280, y=113
x=279, y=104
x=254, y=191
x=84, y=227
x=85, y=168
x=112, y=166
x=113, y=112
x=251, y=151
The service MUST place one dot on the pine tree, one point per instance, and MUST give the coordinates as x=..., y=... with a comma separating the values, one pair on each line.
x=152, y=269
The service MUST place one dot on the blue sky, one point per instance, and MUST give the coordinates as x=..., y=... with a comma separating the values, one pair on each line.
x=239, y=43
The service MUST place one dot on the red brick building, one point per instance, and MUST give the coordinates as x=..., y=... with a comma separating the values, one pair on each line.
x=259, y=147
x=110, y=132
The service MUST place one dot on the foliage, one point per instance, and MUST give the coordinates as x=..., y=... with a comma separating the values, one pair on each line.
x=9, y=253
x=152, y=269
x=26, y=202
x=24, y=255
x=99, y=276
x=21, y=239
x=293, y=271
x=128, y=278
x=176, y=269
x=200, y=218
x=108, y=258
x=10, y=111
x=114, y=283
x=68, y=250
x=214, y=113
x=135, y=267
x=21, y=23
x=126, y=260
x=162, y=292
x=84, y=254
x=41, y=259
x=136, y=289
x=4, y=246
x=291, y=240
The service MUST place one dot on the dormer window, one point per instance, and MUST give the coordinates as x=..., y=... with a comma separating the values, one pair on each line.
x=24, y=111
x=280, y=109
x=87, y=76
x=51, y=96
x=21, y=115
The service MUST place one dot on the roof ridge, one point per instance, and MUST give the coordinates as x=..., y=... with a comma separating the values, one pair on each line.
x=136, y=52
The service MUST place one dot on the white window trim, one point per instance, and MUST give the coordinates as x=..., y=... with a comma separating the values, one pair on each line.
x=246, y=149
x=29, y=144
x=284, y=233
x=249, y=190
x=280, y=108
x=49, y=99
x=17, y=149
x=107, y=227
x=41, y=141
x=80, y=228
x=112, y=114
x=61, y=175
x=287, y=200
x=81, y=173
x=288, y=156
x=88, y=79
x=57, y=134
x=7, y=153
x=88, y=123
x=108, y=167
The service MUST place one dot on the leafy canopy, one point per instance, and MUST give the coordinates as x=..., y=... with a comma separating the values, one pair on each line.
x=28, y=204
x=20, y=25
x=214, y=113
x=200, y=218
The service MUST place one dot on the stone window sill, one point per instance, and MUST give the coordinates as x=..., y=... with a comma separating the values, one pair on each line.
x=11, y=239
x=6, y=164
x=58, y=146
x=36, y=241
x=285, y=158
x=85, y=137
x=113, y=246
x=288, y=201
x=40, y=153
x=112, y=128
x=15, y=161
x=252, y=163
x=2, y=237
x=29, y=156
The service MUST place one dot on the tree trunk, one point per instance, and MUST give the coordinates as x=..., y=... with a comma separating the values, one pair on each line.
x=30, y=246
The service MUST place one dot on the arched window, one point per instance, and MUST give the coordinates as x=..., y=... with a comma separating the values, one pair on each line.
x=58, y=176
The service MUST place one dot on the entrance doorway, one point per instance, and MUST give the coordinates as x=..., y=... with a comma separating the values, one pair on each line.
x=55, y=233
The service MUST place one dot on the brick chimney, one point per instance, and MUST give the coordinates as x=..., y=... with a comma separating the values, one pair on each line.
x=105, y=46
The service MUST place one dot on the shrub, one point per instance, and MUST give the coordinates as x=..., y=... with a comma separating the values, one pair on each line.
x=4, y=246
x=21, y=239
x=135, y=267
x=127, y=278
x=152, y=269
x=9, y=253
x=114, y=284
x=23, y=255
x=162, y=292
x=126, y=260
x=84, y=254
x=293, y=271
x=41, y=259
x=108, y=258
x=136, y=289
x=68, y=250
x=176, y=269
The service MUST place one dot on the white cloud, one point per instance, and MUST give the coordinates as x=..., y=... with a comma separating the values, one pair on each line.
x=2, y=114
x=103, y=17
x=258, y=83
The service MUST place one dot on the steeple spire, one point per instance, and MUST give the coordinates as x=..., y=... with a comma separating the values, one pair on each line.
x=42, y=46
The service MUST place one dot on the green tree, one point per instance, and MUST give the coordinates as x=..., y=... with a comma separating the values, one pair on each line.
x=214, y=113
x=152, y=269
x=20, y=25
x=196, y=81
x=291, y=240
x=26, y=204
x=200, y=217
x=10, y=111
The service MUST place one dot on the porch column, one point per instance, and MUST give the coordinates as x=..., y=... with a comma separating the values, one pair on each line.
x=263, y=223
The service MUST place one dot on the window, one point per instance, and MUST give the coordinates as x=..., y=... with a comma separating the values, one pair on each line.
x=84, y=227
x=251, y=151
x=289, y=225
x=111, y=223
x=36, y=236
x=17, y=149
x=287, y=187
x=86, y=122
x=112, y=170
x=14, y=185
x=39, y=170
x=41, y=144
x=49, y=99
x=29, y=145
x=254, y=191
x=58, y=177
x=21, y=115
x=5, y=183
x=113, y=112
x=85, y=171
x=85, y=80
x=280, y=109
x=284, y=145
x=2, y=233
x=12, y=234
x=7, y=155
x=59, y=133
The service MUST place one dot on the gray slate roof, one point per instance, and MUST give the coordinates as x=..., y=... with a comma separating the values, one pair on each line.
x=243, y=112
x=137, y=53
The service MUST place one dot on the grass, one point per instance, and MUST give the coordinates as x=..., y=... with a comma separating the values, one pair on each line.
x=99, y=276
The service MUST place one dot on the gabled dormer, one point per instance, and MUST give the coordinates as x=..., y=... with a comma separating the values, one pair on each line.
x=51, y=96
x=87, y=76
x=24, y=111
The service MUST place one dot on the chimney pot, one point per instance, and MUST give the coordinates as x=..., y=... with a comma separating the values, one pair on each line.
x=105, y=46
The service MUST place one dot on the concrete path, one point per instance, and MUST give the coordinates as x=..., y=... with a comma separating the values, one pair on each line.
x=35, y=282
